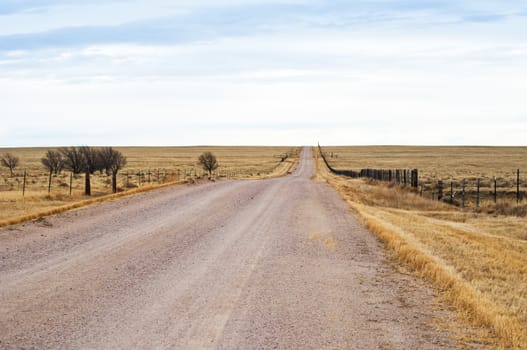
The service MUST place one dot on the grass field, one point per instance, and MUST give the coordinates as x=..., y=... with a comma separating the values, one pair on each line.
x=477, y=260
x=147, y=166
x=446, y=164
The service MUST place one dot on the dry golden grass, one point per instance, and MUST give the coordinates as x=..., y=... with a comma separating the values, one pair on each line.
x=478, y=261
x=443, y=163
x=147, y=167
x=55, y=204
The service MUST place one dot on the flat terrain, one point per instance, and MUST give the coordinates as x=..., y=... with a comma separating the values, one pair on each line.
x=435, y=161
x=147, y=166
x=247, y=161
x=477, y=257
x=268, y=264
x=443, y=163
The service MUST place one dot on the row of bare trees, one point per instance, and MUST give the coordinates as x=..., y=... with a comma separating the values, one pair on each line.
x=85, y=160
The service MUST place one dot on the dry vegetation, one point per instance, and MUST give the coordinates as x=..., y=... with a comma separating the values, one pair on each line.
x=477, y=260
x=148, y=167
x=446, y=164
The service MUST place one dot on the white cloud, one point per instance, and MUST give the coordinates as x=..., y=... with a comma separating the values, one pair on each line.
x=402, y=82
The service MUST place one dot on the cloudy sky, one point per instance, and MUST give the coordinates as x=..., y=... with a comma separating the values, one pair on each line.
x=246, y=72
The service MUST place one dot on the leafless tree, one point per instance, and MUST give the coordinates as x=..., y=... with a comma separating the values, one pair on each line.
x=73, y=159
x=53, y=161
x=9, y=161
x=208, y=162
x=90, y=163
x=112, y=161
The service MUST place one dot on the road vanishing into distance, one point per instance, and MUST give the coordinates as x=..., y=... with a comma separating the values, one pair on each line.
x=248, y=264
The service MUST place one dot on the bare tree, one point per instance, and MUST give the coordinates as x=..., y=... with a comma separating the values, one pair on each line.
x=53, y=161
x=91, y=163
x=9, y=161
x=208, y=162
x=73, y=159
x=112, y=161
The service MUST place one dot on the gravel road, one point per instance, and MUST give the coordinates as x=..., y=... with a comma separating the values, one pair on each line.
x=269, y=264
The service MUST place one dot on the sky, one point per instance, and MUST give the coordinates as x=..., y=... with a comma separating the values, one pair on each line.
x=263, y=72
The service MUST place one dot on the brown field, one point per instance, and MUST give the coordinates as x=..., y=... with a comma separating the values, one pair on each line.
x=147, y=167
x=477, y=260
x=446, y=164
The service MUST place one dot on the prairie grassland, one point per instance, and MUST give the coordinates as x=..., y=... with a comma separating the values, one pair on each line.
x=446, y=164
x=147, y=168
x=478, y=261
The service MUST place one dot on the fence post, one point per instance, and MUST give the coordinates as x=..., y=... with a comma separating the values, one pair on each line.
x=24, y=184
x=495, y=190
x=71, y=181
x=518, y=186
x=451, y=192
x=439, y=190
x=477, y=193
x=49, y=182
x=463, y=194
x=415, y=178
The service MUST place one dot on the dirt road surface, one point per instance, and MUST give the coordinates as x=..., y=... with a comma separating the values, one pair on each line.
x=270, y=264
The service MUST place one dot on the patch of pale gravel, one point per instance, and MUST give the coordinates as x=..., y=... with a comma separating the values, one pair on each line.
x=274, y=264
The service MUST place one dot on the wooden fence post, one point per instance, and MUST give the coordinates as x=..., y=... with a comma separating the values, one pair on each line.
x=495, y=190
x=49, y=182
x=439, y=190
x=518, y=186
x=415, y=178
x=24, y=184
x=463, y=194
x=477, y=193
x=451, y=192
x=71, y=181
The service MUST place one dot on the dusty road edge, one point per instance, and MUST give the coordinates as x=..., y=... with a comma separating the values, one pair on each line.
x=466, y=301
x=85, y=203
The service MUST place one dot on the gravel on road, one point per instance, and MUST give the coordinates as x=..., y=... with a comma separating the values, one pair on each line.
x=249, y=264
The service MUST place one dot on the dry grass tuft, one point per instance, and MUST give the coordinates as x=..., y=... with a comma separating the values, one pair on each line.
x=478, y=261
x=507, y=208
